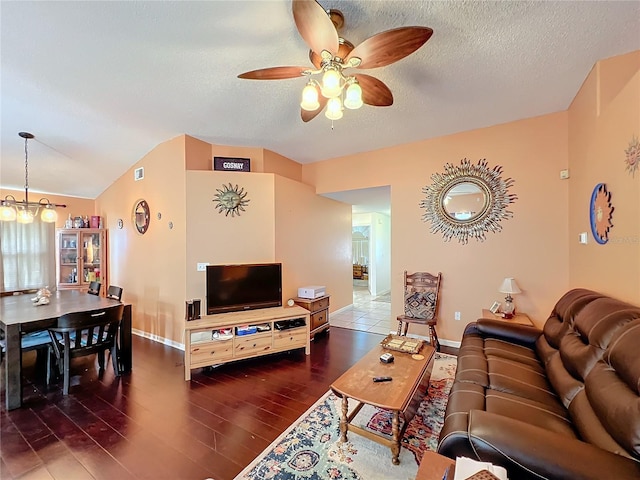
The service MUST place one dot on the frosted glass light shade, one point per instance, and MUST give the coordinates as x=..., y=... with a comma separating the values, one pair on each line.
x=334, y=109
x=25, y=216
x=49, y=214
x=331, y=83
x=310, y=98
x=353, y=98
x=7, y=213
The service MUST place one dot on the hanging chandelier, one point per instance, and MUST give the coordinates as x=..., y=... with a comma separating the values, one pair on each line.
x=25, y=211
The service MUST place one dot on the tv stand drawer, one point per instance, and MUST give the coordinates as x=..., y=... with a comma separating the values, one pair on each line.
x=211, y=352
x=295, y=337
x=250, y=344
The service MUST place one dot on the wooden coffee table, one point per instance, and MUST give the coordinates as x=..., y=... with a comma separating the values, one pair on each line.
x=401, y=396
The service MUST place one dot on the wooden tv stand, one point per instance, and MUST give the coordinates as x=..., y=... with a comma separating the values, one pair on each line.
x=214, y=339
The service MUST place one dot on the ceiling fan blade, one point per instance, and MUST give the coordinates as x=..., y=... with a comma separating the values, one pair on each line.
x=274, y=73
x=307, y=116
x=315, y=26
x=388, y=47
x=374, y=92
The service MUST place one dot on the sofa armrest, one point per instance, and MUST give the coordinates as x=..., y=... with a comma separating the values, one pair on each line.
x=522, y=448
x=513, y=332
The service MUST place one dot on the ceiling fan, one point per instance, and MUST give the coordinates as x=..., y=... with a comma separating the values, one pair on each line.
x=331, y=54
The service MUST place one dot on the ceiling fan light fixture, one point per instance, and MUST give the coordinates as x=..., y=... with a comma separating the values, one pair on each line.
x=331, y=83
x=353, y=97
x=310, y=97
x=334, y=109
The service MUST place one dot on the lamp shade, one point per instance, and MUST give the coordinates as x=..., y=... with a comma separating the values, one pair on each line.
x=310, y=98
x=353, y=98
x=509, y=286
x=331, y=83
x=334, y=109
x=7, y=213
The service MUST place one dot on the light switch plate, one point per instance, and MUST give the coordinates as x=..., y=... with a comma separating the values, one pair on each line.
x=583, y=238
x=202, y=267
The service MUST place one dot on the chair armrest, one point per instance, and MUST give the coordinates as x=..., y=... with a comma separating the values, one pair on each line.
x=522, y=448
x=516, y=333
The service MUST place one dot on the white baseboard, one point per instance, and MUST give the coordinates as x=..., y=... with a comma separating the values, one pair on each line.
x=159, y=339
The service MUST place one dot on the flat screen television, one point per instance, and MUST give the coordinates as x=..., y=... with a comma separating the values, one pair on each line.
x=232, y=288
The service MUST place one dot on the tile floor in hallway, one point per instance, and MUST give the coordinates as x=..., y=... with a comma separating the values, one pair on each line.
x=368, y=313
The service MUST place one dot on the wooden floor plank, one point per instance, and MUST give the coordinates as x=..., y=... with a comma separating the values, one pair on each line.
x=152, y=424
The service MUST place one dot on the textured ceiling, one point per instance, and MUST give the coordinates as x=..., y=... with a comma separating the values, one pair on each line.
x=100, y=84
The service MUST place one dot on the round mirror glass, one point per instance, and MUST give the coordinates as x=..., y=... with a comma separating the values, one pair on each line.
x=464, y=201
x=141, y=216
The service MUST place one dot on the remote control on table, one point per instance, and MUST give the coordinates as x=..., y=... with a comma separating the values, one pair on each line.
x=382, y=379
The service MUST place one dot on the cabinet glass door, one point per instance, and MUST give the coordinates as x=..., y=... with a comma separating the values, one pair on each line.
x=68, y=260
x=91, y=261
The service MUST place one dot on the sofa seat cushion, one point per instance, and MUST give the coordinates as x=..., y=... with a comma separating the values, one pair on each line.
x=550, y=416
x=521, y=380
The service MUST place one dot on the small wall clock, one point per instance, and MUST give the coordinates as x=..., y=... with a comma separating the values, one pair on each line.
x=600, y=213
x=231, y=200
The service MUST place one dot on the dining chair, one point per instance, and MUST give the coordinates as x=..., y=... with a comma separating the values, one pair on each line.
x=114, y=292
x=94, y=288
x=38, y=341
x=85, y=333
x=421, y=295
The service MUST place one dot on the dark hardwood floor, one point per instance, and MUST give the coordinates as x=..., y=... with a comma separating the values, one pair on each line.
x=153, y=424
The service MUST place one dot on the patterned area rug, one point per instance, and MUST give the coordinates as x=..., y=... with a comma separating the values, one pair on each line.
x=310, y=449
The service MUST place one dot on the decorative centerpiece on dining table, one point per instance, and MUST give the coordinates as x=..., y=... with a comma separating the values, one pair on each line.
x=42, y=297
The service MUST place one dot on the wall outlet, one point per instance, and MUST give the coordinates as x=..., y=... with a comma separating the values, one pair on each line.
x=457, y=316
x=564, y=174
x=202, y=267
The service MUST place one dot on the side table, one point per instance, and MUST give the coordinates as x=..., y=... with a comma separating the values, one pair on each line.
x=319, y=310
x=433, y=466
x=519, y=318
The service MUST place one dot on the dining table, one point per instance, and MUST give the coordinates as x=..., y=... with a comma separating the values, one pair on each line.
x=19, y=315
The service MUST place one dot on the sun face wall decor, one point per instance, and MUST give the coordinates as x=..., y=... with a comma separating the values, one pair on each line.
x=632, y=156
x=467, y=200
x=231, y=200
x=600, y=213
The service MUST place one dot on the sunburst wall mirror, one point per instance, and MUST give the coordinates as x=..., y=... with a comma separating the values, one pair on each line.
x=231, y=200
x=467, y=201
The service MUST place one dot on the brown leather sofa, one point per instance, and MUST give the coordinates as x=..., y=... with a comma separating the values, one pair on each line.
x=561, y=403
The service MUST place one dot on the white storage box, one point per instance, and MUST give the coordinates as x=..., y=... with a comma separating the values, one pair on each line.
x=312, y=291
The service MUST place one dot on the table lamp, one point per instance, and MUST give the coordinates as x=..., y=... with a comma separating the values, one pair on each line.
x=509, y=286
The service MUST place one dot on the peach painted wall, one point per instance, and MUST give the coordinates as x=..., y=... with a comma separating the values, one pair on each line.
x=151, y=267
x=532, y=246
x=75, y=206
x=313, y=241
x=216, y=238
x=276, y=163
x=603, y=119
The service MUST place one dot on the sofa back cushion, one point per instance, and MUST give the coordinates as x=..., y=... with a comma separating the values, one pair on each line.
x=560, y=320
x=612, y=388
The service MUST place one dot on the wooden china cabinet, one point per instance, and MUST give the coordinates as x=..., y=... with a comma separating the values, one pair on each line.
x=81, y=258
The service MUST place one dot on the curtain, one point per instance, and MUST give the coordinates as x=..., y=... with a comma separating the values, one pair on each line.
x=28, y=255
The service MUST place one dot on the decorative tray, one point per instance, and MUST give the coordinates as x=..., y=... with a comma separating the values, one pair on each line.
x=402, y=344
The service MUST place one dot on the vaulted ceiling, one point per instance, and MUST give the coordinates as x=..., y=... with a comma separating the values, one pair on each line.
x=101, y=83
